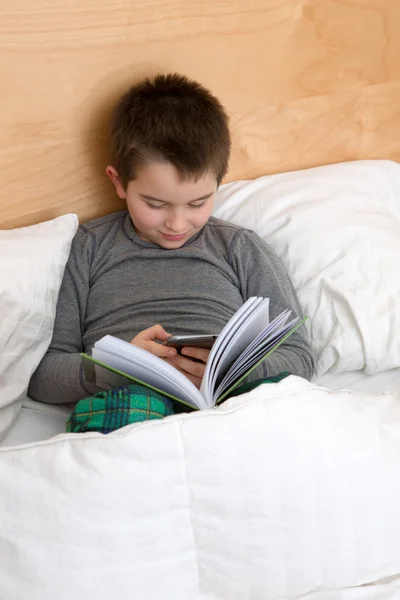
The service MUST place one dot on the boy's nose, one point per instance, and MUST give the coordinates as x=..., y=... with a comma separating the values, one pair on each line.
x=176, y=224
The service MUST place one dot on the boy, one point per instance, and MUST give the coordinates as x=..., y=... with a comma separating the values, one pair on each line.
x=165, y=266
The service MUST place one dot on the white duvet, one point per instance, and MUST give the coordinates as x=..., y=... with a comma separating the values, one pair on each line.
x=290, y=491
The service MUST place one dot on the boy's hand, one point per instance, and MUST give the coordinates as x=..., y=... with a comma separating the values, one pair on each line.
x=191, y=368
x=147, y=340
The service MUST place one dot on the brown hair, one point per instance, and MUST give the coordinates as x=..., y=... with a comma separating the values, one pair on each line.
x=170, y=118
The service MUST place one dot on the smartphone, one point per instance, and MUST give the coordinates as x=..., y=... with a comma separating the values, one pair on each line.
x=194, y=341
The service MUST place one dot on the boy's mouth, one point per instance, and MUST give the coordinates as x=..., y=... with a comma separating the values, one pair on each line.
x=173, y=238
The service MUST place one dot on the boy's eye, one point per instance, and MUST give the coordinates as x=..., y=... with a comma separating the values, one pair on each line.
x=155, y=205
x=159, y=206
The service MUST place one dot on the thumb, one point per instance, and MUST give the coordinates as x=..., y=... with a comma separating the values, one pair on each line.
x=157, y=332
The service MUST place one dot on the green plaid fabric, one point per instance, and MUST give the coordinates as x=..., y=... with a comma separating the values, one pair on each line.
x=247, y=387
x=115, y=408
x=110, y=410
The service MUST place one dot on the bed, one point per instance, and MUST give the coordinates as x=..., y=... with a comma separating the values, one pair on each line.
x=306, y=506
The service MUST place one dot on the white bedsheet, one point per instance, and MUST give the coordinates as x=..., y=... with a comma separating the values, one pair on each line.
x=386, y=381
x=290, y=492
x=38, y=421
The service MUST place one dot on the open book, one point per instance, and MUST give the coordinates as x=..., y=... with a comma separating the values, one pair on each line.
x=245, y=341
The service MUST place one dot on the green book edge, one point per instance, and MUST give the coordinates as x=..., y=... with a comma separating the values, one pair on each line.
x=87, y=357
x=131, y=378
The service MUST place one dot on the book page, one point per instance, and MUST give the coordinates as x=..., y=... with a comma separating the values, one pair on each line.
x=254, y=323
x=267, y=334
x=223, y=339
x=243, y=364
x=269, y=350
x=147, y=367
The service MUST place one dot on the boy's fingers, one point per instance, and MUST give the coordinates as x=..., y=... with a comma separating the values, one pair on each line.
x=190, y=366
x=149, y=340
x=160, y=350
x=157, y=332
x=199, y=353
x=195, y=380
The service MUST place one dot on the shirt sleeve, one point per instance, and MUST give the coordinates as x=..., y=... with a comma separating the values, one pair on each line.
x=261, y=273
x=59, y=377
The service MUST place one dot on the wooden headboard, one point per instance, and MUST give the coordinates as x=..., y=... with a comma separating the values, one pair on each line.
x=306, y=82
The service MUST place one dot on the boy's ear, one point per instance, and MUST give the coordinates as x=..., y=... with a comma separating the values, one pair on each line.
x=115, y=178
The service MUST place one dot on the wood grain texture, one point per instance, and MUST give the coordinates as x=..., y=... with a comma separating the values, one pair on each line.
x=306, y=82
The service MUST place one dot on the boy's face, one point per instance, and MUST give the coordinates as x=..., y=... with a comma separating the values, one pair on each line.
x=163, y=209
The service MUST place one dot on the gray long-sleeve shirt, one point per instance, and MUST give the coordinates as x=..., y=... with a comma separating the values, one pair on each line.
x=115, y=283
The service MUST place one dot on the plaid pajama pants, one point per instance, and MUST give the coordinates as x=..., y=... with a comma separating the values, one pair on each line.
x=112, y=409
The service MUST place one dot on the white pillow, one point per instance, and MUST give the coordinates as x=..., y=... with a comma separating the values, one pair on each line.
x=32, y=263
x=337, y=231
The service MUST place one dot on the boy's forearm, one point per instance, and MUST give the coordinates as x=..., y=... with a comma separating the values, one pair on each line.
x=59, y=379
